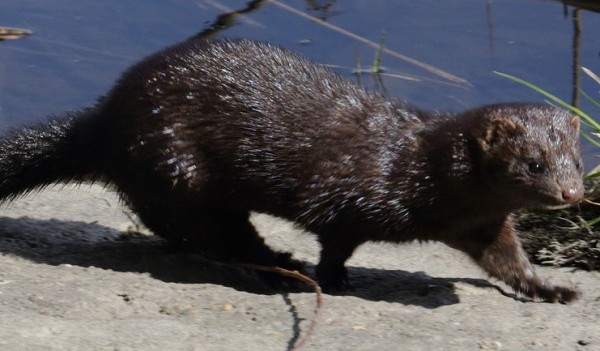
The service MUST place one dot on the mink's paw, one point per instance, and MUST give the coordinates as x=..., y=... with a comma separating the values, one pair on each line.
x=333, y=287
x=559, y=294
x=549, y=293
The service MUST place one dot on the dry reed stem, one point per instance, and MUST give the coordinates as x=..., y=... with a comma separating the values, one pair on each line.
x=303, y=278
x=434, y=70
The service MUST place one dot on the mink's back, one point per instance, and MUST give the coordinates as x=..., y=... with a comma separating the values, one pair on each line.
x=276, y=130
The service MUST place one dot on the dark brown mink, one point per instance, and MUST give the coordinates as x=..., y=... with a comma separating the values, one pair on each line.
x=198, y=135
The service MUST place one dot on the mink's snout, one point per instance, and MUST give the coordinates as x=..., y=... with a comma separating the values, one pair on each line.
x=572, y=195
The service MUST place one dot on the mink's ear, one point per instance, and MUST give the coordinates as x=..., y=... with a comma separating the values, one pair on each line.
x=497, y=131
x=575, y=123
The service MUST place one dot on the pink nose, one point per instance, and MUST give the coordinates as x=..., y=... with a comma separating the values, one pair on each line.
x=571, y=195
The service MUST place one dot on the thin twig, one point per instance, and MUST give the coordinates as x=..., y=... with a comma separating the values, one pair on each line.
x=299, y=276
x=7, y=33
x=591, y=202
x=439, y=72
x=591, y=74
x=217, y=5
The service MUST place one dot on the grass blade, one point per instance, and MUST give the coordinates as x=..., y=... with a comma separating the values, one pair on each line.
x=552, y=97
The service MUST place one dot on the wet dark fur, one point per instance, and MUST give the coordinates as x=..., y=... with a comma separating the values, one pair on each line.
x=196, y=136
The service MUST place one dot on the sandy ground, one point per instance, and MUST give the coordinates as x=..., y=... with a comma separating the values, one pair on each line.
x=70, y=279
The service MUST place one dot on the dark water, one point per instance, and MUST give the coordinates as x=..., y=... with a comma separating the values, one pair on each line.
x=80, y=47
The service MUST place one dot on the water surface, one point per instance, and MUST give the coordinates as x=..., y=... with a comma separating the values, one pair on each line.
x=79, y=48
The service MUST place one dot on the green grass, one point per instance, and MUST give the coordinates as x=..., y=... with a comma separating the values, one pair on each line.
x=586, y=119
x=376, y=68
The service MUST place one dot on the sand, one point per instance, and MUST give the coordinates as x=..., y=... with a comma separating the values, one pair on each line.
x=75, y=276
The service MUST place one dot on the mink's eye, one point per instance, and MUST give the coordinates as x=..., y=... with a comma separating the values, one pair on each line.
x=578, y=165
x=535, y=167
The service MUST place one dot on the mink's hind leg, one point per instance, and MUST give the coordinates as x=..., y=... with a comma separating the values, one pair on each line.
x=225, y=233
x=194, y=223
x=190, y=213
x=229, y=233
x=498, y=251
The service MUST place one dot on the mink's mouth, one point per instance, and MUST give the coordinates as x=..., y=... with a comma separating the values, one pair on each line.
x=552, y=201
x=557, y=207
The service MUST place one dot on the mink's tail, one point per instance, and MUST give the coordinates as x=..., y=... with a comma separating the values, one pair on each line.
x=59, y=150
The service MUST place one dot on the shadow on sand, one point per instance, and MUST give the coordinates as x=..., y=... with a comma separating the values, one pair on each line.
x=56, y=242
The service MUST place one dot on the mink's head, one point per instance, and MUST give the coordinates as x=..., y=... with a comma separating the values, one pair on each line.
x=530, y=153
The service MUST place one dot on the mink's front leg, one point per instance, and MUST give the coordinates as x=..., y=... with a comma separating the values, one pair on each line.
x=497, y=249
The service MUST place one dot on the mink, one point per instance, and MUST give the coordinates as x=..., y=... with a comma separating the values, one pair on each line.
x=196, y=136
